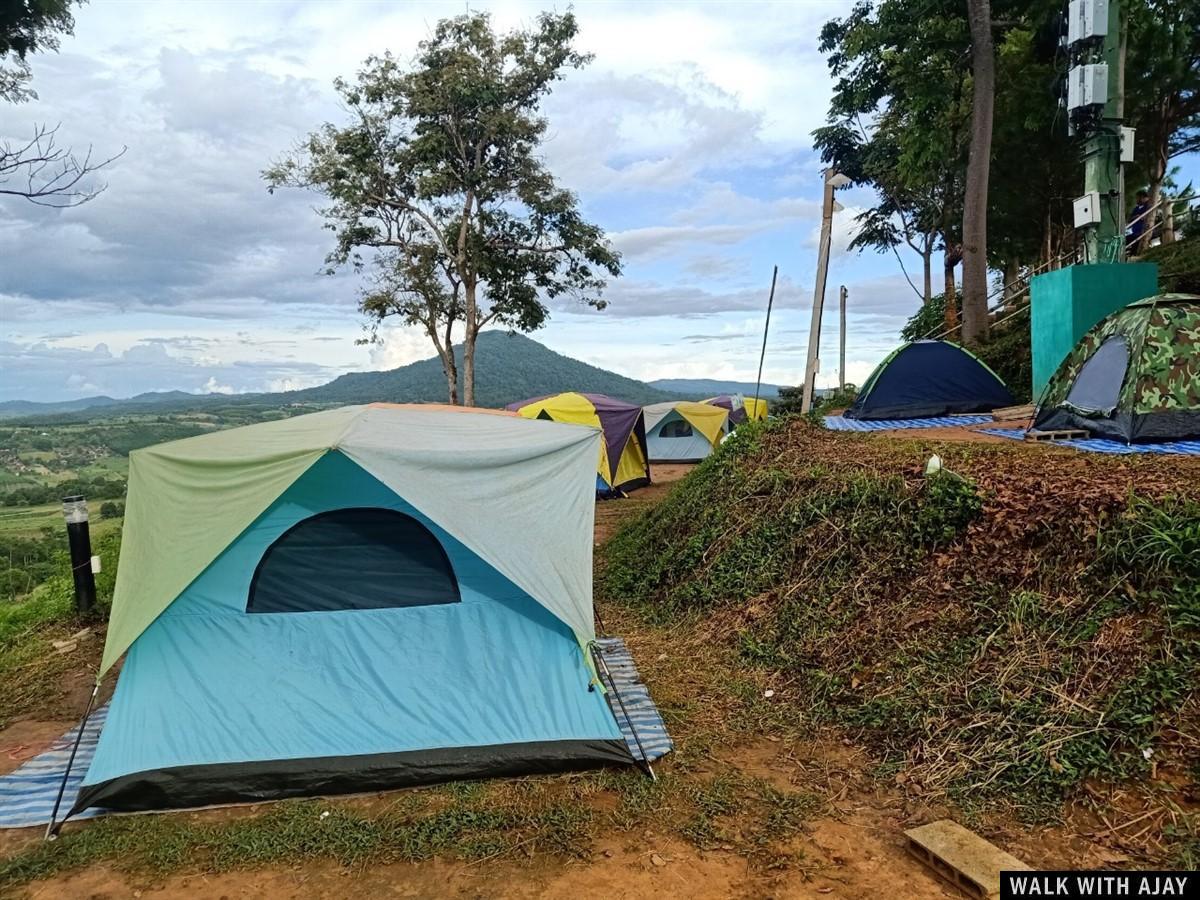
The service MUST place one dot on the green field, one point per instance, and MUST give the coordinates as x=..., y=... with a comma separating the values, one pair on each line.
x=28, y=521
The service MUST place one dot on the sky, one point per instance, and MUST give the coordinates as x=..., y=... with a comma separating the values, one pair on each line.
x=687, y=139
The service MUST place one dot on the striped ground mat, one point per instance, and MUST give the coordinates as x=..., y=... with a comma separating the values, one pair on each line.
x=27, y=795
x=646, y=720
x=841, y=423
x=1104, y=445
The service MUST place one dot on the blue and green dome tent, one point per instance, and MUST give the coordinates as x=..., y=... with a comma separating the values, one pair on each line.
x=922, y=379
x=352, y=600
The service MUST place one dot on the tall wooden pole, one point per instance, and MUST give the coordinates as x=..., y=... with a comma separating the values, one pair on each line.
x=842, y=339
x=814, y=331
x=763, y=355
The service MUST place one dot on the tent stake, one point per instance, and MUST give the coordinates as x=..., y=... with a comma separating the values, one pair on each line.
x=628, y=718
x=51, y=831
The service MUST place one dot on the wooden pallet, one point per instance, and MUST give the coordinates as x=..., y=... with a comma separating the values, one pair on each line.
x=1013, y=413
x=962, y=857
x=1061, y=434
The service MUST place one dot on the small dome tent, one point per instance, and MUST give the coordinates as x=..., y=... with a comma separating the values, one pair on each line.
x=623, y=460
x=1135, y=376
x=740, y=408
x=348, y=601
x=929, y=378
x=680, y=431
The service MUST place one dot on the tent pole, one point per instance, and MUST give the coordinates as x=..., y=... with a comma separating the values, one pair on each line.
x=628, y=718
x=51, y=831
x=766, y=327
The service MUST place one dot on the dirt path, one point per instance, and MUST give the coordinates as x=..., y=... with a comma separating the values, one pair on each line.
x=853, y=847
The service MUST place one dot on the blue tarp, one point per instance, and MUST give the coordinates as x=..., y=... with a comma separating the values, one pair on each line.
x=208, y=683
x=27, y=795
x=1104, y=445
x=841, y=423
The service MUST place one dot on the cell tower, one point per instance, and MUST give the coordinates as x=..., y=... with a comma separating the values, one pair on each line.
x=1095, y=108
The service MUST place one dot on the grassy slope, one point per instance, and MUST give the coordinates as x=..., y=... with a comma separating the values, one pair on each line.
x=996, y=640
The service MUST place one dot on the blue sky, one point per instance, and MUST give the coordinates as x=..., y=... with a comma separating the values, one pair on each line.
x=687, y=139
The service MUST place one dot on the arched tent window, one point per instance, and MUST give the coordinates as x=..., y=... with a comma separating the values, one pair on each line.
x=676, y=428
x=1097, y=387
x=359, y=558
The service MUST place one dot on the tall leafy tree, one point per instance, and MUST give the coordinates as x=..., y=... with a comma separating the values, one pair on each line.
x=439, y=169
x=901, y=80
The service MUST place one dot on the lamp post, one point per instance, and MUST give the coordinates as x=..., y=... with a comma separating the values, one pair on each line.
x=833, y=181
x=75, y=511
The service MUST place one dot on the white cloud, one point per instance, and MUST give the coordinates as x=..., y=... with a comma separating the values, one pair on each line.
x=687, y=139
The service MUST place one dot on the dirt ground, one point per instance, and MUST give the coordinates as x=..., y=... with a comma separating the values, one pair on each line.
x=853, y=848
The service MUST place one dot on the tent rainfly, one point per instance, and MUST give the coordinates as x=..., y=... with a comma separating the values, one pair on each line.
x=929, y=378
x=680, y=431
x=352, y=600
x=623, y=463
x=1134, y=377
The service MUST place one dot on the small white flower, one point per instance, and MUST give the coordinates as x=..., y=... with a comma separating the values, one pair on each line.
x=768, y=694
x=325, y=815
x=1147, y=753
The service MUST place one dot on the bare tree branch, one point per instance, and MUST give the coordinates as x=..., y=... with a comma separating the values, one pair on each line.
x=44, y=173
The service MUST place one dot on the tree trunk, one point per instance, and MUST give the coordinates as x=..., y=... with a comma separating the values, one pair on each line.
x=950, y=293
x=451, y=368
x=1012, y=279
x=470, y=332
x=1158, y=172
x=927, y=262
x=975, y=200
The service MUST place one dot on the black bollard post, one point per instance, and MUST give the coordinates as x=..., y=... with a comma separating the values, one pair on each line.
x=75, y=511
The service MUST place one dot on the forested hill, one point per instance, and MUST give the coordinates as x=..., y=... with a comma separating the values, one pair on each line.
x=508, y=367
x=699, y=388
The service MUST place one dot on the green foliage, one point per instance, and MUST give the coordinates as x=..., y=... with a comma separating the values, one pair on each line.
x=791, y=400
x=1178, y=264
x=928, y=321
x=111, y=510
x=950, y=504
x=26, y=562
x=1009, y=354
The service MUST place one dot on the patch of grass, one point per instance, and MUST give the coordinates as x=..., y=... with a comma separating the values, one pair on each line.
x=426, y=824
x=997, y=637
x=31, y=671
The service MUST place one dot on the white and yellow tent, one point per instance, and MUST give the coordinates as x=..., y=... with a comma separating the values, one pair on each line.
x=682, y=431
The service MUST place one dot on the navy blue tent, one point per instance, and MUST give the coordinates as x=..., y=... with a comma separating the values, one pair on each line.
x=929, y=378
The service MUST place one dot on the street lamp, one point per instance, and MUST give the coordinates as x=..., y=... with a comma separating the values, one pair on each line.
x=833, y=181
x=75, y=512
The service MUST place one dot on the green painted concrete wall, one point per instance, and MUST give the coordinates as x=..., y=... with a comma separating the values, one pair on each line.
x=1065, y=303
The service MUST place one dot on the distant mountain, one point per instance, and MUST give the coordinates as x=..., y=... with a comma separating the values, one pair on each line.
x=508, y=367
x=12, y=409
x=702, y=388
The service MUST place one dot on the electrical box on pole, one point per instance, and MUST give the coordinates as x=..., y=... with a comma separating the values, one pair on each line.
x=1087, y=210
x=1086, y=20
x=1128, y=136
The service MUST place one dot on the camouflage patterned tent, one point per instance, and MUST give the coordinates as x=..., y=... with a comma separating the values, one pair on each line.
x=1134, y=377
